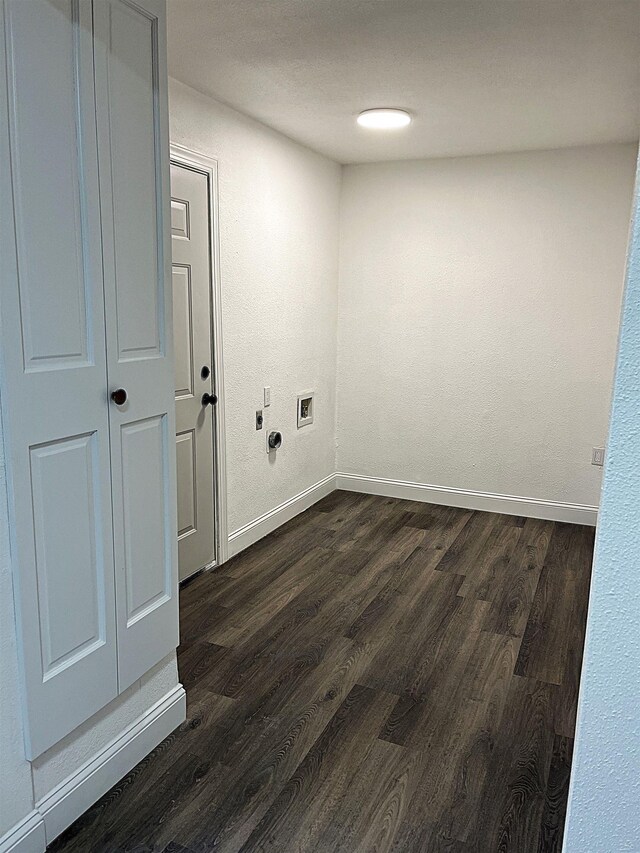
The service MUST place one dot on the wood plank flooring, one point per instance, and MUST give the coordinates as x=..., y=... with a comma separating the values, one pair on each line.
x=376, y=675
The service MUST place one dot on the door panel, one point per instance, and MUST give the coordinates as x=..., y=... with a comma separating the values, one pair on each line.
x=180, y=218
x=143, y=477
x=134, y=135
x=191, y=275
x=53, y=339
x=187, y=467
x=55, y=332
x=134, y=171
x=67, y=535
x=184, y=355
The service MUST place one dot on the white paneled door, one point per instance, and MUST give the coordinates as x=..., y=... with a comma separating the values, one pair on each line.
x=132, y=134
x=53, y=339
x=195, y=400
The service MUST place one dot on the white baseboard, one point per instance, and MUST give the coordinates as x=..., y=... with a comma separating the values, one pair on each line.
x=508, y=504
x=67, y=801
x=25, y=837
x=270, y=521
x=464, y=498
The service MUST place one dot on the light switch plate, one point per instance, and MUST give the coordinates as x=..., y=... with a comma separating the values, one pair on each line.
x=267, y=395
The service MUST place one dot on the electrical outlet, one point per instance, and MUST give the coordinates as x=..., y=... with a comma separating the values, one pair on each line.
x=267, y=395
x=597, y=456
x=259, y=419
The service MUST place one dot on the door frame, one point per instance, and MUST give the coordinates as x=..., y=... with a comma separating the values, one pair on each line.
x=207, y=166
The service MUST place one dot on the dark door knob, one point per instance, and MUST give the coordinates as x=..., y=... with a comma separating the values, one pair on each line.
x=209, y=399
x=119, y=396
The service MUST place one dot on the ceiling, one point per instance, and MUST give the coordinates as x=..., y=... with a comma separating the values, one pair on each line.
x=478, y=76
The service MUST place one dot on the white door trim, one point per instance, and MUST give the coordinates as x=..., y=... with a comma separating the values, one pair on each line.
x=206, y=165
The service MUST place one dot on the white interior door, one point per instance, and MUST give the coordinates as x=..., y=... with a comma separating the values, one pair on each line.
x=54, y=369
x=134, y=194
x=191, y=274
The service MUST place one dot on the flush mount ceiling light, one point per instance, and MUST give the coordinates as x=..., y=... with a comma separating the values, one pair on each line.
x=384, y=118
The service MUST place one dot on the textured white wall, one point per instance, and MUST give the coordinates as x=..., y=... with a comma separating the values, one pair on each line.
x=605, y=783
x=279, y=213
x=478, y=315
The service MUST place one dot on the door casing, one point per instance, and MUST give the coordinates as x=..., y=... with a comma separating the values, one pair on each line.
x=207, y=166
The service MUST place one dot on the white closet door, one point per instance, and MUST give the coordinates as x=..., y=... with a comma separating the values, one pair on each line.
x=133, y=144
x=54, y=372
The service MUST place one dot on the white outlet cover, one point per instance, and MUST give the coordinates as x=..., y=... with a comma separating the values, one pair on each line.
x=597, y=456
x=267, y=395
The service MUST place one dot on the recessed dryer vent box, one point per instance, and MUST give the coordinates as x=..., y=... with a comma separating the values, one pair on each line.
x=306, y=405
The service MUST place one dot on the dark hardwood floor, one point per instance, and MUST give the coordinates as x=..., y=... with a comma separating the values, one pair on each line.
x=377, y=675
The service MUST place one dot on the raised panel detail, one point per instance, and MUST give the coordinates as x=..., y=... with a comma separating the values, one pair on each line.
x=186, y=469
x=180, y=225
x=183, y=330
x=68, y=550
x=134, y=151
x=145, y=512
x=49, y=186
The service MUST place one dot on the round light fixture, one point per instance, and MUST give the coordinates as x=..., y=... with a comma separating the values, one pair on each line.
x=384, y=118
